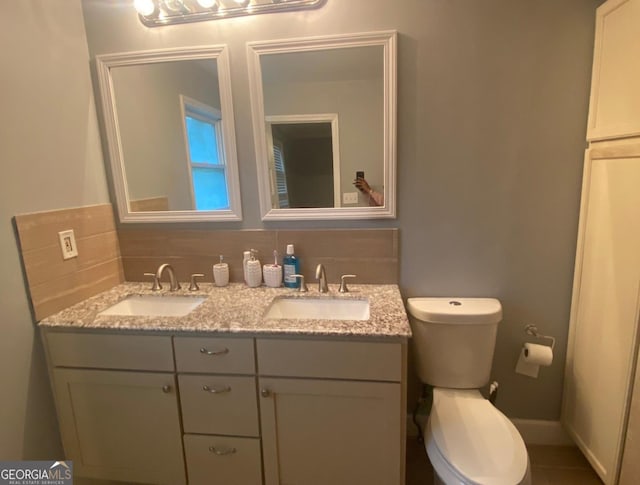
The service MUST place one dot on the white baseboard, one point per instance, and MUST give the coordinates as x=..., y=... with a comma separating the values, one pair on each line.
x=542, y=432
x=533, y=431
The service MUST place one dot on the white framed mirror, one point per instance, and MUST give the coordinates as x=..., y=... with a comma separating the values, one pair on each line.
x=170, y=134
x=352, y=77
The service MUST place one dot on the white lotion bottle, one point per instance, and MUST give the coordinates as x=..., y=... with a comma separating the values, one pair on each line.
x=221, y=273
x=246, y=256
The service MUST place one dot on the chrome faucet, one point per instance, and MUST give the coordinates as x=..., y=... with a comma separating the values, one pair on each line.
x=321, y=276
x=173, y=282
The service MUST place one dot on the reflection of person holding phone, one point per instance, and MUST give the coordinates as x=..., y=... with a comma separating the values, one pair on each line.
x=376, y=199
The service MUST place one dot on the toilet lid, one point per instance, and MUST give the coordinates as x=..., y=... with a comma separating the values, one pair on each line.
x=476, y=439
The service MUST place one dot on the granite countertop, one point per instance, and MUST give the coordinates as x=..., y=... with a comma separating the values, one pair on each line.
x=238, y=309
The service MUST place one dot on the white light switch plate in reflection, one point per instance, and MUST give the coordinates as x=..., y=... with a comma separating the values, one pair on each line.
x=350, y=197
x=68, y=244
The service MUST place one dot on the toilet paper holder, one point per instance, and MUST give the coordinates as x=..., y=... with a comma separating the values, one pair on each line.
x=532, y=330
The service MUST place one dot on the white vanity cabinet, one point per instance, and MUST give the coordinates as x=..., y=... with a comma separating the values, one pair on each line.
x=332, y=411
x=230, y=410
x=219, y=410
x=117, y=406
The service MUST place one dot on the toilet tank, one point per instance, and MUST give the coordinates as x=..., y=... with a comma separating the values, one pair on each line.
x=454, y=339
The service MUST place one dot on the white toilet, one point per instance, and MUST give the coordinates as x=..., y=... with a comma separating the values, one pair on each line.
x=469, y=442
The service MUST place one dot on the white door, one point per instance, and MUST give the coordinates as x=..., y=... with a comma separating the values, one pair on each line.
x=604, y=316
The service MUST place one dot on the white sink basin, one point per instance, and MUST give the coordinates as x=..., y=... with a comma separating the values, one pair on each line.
x=157, y=306
x=318, y=309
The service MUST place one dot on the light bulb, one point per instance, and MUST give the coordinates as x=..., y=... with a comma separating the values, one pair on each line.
x=206, y=3
x=144, y=7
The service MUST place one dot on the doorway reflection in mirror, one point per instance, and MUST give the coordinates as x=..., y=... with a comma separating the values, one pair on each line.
x=304, y=161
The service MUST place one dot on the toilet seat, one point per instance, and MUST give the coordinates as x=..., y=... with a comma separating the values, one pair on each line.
x=470, y=442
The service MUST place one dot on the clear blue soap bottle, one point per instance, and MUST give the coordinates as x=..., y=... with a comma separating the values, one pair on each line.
x=291, y=266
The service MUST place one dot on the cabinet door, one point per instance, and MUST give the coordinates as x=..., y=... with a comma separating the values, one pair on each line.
x=319, y=432
x=604, y=313
x=614, y=108
x=120, y=425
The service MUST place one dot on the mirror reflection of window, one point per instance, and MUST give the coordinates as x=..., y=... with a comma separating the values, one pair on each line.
x=205, y=156
x=170, y=130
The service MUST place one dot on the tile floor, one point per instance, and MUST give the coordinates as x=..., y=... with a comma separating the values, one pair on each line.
x=550, y=465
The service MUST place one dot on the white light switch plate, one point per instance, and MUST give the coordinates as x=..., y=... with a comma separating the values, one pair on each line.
x=350, y=197
x=68, y=244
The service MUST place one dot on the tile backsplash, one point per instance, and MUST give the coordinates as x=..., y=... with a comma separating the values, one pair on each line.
x=56, y=283
x=108, y=255
x=372, y=254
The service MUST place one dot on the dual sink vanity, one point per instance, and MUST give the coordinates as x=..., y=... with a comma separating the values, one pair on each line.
x=282, y=307
x=232, y=385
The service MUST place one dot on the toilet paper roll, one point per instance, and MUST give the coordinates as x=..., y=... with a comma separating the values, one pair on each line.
x=537, y=354
x=532, y=356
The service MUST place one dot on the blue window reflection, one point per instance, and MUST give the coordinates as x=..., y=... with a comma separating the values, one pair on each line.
x=207, y=168
x=210, y=189
x=203, y=145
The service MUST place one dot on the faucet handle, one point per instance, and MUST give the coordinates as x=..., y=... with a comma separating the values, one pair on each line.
x=193, y=286
x=303, y=286
x=156, y=282
x=343, y=283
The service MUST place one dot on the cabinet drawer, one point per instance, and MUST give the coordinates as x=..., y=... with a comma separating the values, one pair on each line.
x=220, y=459
x=219, y=405
x=374, y=361
x=215, y=354
x=107, y=351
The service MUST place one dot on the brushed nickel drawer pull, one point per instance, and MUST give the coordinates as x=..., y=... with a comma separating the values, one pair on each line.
x=214, y=352
x=216, y=390
x=166, y=389
x=216, y=451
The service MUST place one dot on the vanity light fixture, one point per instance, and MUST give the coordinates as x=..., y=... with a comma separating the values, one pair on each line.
x=207, y=3
x=145, y=8
x=154, y=13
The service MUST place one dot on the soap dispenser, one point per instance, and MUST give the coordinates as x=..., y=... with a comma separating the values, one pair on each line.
x=246, y=256
x=254, y=270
